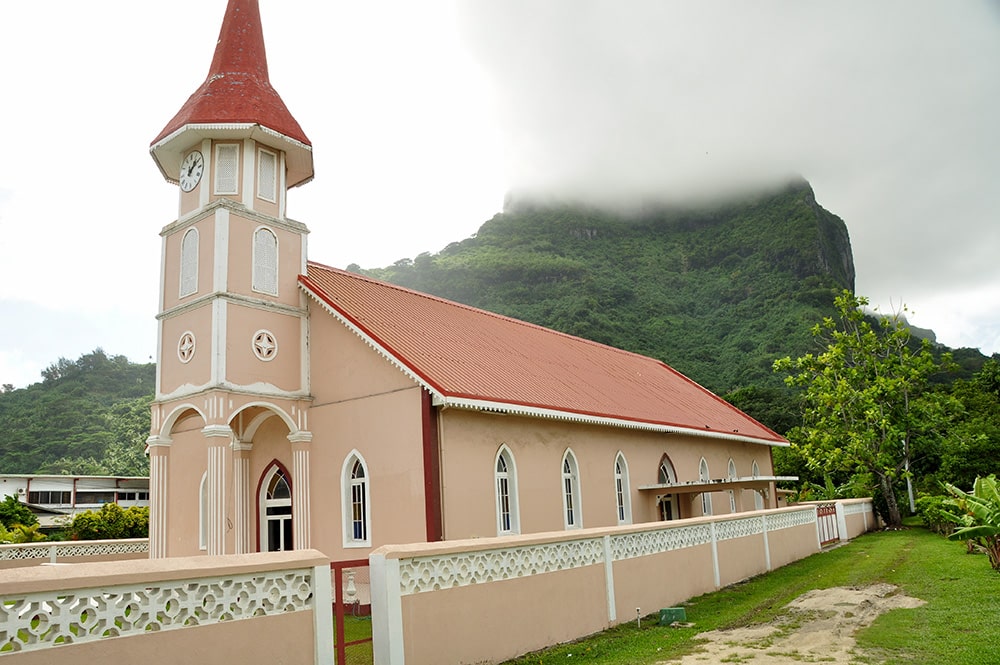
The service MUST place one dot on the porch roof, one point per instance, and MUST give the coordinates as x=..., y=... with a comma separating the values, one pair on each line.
x=716, y=484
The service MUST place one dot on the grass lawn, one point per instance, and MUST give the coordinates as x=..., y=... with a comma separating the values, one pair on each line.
x=959, y=625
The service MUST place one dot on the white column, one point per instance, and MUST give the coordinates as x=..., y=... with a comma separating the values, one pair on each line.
x=218, y=438
x=301, y=513
x=242, y=500
x=159, y=464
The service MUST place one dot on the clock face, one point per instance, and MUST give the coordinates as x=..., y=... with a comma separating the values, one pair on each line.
x=191, y=170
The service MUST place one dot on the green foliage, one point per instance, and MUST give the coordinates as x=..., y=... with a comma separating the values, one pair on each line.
x=110, y=522
x=938, y=513
x=866, y=398
x=26, y=533
x=13, y=512
x=982, y=508
x=87, y=417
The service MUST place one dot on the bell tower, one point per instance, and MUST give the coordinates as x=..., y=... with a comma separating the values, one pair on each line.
x=232, y=325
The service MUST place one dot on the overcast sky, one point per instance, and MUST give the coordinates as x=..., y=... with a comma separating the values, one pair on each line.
x=424, y=114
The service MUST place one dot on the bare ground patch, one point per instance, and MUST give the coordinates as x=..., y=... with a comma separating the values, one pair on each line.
x=818, y=628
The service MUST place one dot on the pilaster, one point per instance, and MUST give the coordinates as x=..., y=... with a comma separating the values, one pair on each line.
x=301, y=512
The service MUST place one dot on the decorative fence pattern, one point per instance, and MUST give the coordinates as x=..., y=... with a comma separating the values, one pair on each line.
x=469, y=586
x=71, y=613
x=72, y=549
x=37, y=621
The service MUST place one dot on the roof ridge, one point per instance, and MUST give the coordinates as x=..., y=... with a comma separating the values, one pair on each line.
x=495, y=315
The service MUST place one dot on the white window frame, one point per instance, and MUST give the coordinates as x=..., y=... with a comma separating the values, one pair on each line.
x=732, y=492
x=264, y=503
x=189, y=263
x=758, y=497
x=665, y=474
x=623, y=496
x=203, y=513
x=706, y=496
x=570, y=490
x=349, y=485
x=227, y=155
x=505, y=493
x=267, y=188
x=261, y=269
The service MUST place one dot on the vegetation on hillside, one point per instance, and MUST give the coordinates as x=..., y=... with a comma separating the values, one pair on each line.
x=716, y=293
x=86, y=417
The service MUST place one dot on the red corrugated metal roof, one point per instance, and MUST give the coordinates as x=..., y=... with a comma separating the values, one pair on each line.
x=463, y=352
x=237, y=88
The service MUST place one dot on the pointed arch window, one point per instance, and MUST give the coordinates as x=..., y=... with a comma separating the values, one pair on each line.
x=505, y=475
x=706, y=496
x=623, y=497
x=265, y=261
x=732, y=493
x=572, y=514
x=227, y=168
x=667, y=504
x=276, y=511
x=356, y=500
x=758, y=498
x=189, y=263
x=267, y=175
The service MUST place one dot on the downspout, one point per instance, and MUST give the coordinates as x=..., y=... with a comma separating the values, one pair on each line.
x=432, y=468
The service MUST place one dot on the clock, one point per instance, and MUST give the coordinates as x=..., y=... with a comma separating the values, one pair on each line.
x=191, y=169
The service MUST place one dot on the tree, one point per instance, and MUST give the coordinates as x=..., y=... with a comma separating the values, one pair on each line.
x=866, y=400
x=14, y=512
x=110, y=522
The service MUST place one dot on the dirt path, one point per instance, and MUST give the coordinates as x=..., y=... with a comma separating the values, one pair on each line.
x=819, y=628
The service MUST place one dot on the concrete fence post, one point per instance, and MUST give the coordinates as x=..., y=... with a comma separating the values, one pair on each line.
x=715, y=556
x=387, y=611
x=323, y=615
x=767, y=545
x=609, y=580
x=841, y=522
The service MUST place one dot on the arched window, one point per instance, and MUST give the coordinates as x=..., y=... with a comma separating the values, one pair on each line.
x=276, y=511
x=666, y=475
x=203, y=513
x=623, y=498
x=189, y=263
x=706, y=496
x=265, y=261
x=572, y=515
x=357, y=506
x=505, y=475
x=758, y=498
x=732, y=493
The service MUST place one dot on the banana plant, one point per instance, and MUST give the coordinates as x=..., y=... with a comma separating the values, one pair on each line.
x=981, y=508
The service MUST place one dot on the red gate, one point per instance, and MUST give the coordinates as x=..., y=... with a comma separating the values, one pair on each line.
x=826, y=516
x=352, y=609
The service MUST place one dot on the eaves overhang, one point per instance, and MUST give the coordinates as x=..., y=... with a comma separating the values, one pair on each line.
x=170, y=150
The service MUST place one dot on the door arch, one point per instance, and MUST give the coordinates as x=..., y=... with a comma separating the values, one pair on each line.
x=274, y=514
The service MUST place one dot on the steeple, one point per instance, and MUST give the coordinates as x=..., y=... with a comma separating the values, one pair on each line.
x=236, y=100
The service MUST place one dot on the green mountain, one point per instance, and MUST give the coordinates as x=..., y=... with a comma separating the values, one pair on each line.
x=716, y=292
x=86, y=417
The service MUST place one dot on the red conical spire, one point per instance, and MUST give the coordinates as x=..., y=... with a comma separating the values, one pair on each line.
x=237, y=89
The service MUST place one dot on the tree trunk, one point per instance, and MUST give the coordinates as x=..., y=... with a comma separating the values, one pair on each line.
x=893, y=518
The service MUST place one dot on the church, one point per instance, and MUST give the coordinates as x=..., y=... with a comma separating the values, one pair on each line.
x=302, y=406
